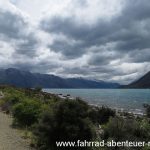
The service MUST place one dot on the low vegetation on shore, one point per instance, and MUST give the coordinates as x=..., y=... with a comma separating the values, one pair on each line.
x=46, y=118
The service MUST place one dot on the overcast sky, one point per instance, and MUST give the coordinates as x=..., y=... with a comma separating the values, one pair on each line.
x=99, y=39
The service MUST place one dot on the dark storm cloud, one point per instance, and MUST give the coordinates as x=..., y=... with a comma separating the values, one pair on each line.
x=14, y=30
x=136, y=10
x=11, y=25
x=99, y=60
x=33, y=66
x=112, y=47
x=70, y=50
x=129, y=30
x=139, y=56
x=103, y=58
x=67, y=26
x=28, y=47
x=132, y=30
x=84, y=35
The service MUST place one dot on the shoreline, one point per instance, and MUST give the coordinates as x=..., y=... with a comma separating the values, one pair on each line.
x=135, y=112
x=128, y=101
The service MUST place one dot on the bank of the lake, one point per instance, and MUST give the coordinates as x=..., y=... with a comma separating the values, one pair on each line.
x=39, y=113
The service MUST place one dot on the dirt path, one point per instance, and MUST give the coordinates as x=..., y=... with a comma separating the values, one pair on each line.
x=10, y=139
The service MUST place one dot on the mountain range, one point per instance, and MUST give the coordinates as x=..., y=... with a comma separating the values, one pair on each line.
x=27, y=79
x=143, y=82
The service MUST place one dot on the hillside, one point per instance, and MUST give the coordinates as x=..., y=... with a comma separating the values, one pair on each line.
x=143, y=82
x=26, y=79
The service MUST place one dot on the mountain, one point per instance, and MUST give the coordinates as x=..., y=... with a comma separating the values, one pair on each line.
x=26, y=79
x=143, y=82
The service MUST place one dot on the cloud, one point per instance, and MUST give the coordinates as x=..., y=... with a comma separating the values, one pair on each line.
x=137, y=56
x=129, y=30
x=106, y=40
x=15, y=29
x=28, y=46
x=10, y=28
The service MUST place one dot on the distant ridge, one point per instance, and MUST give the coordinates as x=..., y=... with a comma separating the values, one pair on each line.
x=143, y=82
x=27, y=79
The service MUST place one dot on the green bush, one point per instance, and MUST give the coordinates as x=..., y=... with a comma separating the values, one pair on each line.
x=8, y=101
x=101, y=115
x=38, y=89
x=147, y=107
x=27, y=112
x=122, y=129
x=67, y=121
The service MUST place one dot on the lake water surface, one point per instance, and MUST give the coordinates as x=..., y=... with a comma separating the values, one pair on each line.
x=129, y=99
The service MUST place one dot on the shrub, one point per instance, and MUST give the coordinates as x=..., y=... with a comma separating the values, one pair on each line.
x=26, y=112
x=38, y=89
x=8, y=101
x=104, y=114
x=67, y=121
x=101, y=115
x=115, y=129
x=122, y=129
x=147, y=107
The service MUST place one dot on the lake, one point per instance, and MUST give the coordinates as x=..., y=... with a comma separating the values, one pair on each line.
x=127, y=99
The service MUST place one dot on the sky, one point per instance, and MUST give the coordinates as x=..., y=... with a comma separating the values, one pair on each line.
x=100, y=39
